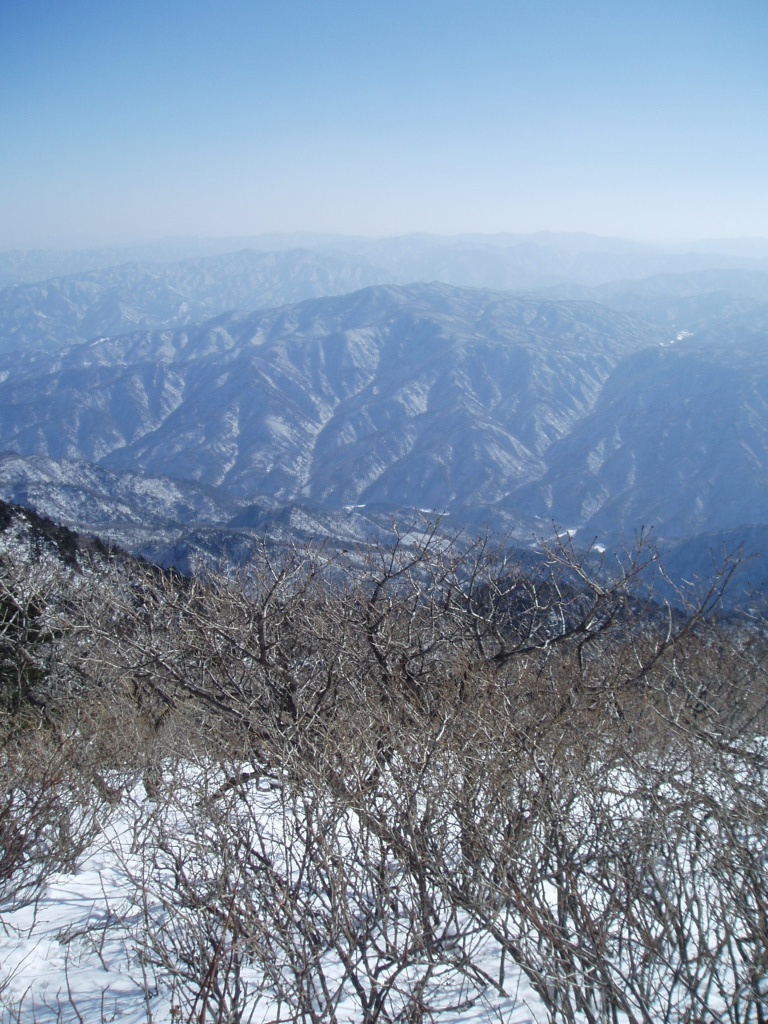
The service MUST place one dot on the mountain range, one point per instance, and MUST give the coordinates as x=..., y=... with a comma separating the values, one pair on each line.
x=187, y=406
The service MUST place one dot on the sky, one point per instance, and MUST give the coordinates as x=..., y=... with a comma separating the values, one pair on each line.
x=132, y=121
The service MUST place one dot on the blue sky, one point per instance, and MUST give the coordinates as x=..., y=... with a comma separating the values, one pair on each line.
x=131, y=121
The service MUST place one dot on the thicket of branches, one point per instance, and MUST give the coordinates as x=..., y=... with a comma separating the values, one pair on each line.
x=360, y=781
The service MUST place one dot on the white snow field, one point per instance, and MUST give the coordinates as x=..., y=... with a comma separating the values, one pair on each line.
x=228, y=896
x=86, y=949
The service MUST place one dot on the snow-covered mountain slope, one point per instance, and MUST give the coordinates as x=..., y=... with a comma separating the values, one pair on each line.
x=183, y=524
x=53, y=300
x=423, y=395
x=52, y=314
x=508, y=411
x=678, y=438
x=86, y=496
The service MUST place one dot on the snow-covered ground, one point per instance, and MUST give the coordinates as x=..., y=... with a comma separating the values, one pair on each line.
x=209, y=901
x=83, y=952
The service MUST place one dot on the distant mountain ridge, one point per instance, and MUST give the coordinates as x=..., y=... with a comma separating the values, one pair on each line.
x=28, y=266
x=51, y=315
x=426, y=396
x=128, y=410
x=58, y=311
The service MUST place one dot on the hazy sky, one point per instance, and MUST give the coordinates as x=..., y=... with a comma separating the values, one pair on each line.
x=123, y=121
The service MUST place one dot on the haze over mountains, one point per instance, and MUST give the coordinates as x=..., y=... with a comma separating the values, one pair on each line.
x=517, y=383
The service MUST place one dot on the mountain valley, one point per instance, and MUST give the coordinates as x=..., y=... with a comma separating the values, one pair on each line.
x=141, y=405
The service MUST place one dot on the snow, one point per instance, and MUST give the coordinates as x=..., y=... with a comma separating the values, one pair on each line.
x=680, y=336
x=70, y=953
x=79, y=952
x=154, y=895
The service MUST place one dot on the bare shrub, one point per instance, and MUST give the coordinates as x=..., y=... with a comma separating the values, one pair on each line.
x=397, y=781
